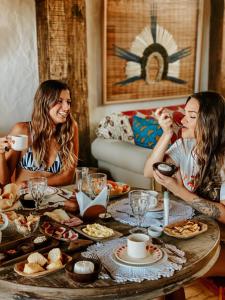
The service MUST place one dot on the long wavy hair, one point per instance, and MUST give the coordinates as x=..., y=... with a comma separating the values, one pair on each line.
x=210, y=143
x=43, y=128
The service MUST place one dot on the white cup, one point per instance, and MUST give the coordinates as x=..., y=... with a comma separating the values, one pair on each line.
x=19, y=142
x=152, y=199
x=137, y=245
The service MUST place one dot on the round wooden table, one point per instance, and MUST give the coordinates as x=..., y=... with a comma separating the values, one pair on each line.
x=201, y=251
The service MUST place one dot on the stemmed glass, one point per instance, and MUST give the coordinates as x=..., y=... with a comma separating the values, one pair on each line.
x=139, y=203
x=96, y=183
x=37, y=187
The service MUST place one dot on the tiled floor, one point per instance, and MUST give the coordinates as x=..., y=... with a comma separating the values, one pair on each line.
x=198, y=291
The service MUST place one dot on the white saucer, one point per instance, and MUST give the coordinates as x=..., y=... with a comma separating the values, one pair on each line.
x=154, y=254
x=50, y=190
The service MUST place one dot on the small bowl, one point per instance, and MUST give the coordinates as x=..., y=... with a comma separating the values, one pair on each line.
x=155, y=231
x=169, y=173
x=83, y=278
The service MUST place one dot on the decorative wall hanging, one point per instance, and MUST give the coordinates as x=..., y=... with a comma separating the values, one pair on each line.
x=149, y=49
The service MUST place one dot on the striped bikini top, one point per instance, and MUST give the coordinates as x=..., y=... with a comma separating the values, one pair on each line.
x=27, y=161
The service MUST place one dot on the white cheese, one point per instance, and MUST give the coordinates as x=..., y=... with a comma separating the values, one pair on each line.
x=84, y=267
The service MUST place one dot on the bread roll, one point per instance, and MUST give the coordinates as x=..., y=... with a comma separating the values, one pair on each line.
x=37, y=258
x=55, y=265
x=31, y=268
x=10, y=191
x=54, y=255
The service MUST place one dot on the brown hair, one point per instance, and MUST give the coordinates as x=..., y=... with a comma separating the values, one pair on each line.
x=42, y=125
x=210, y=142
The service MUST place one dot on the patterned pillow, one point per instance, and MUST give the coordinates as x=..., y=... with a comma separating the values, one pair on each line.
x=146, y=132
x=116, y=126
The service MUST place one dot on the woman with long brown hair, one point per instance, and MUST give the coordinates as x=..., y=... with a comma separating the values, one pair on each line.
x=199, y=156
x=52, y=149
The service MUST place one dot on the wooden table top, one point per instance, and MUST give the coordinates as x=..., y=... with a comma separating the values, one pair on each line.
x=201, y=251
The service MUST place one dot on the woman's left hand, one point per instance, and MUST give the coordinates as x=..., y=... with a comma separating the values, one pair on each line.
x=173, y=184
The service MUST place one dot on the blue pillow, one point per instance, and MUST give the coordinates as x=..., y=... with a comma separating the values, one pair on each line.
x=146, y=132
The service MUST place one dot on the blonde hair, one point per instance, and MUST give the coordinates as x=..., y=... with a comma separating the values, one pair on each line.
x=42, y=125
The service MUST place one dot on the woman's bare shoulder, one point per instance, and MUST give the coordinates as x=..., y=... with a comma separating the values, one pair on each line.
x=20, y=128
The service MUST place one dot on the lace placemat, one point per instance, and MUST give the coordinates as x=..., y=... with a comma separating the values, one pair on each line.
x=172, y=260
x=121, y=211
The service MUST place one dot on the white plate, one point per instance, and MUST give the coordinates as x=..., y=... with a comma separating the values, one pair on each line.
x=123, y=264
x=51, y=191
x=159, y=207
x=154, y=254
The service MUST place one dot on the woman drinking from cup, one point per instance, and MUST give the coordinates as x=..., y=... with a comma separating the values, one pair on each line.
x=47, y=145
x=199, y=156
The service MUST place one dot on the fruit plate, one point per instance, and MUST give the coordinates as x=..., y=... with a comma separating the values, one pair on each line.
x=19, y=267
x=185, y=229
x=154, y=255
x=117, y=189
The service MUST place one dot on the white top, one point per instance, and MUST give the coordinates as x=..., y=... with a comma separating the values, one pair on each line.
x=181, y=153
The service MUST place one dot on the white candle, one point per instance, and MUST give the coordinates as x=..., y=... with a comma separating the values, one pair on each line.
x=166, y=202
x=84, y=267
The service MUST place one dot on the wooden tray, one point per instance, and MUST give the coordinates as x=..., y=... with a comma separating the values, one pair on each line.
x=16, y=243
x=167, y=229
x=18, y=268
x=117, y=234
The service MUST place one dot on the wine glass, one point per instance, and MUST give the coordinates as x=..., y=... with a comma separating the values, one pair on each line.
x=37, y=187
x=139, y=203
x=96, y=183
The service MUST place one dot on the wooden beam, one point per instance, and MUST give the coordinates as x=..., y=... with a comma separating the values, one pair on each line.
x=216, y=42
x=62, y=54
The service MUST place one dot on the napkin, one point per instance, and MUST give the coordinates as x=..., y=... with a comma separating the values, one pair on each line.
x=85, y=202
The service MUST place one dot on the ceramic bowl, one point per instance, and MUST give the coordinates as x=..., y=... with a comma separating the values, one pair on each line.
x=155, y=231
x=83, y=278
x=171, y=168
x=5, y=221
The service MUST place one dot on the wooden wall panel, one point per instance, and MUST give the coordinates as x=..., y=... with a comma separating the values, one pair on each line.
x=62, y=54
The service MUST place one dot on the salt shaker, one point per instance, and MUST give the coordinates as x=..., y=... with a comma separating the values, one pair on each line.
x=166, y=203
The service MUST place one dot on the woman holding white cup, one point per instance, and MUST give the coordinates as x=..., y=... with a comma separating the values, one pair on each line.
x=47, y=145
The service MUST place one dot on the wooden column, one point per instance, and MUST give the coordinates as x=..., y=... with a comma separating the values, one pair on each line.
x=216, y=42
x=62, y=54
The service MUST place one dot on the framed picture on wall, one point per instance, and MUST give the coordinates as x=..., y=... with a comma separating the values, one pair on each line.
x=151, y=49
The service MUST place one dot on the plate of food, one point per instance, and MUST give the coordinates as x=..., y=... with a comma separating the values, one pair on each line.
x=38, y=265
x=57, y=231
x=185, y=229
x=61, y=216
x=98, y=232
x=117, y=189
x=17, y=250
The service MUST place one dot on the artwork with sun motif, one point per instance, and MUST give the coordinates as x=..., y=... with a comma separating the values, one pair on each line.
x=150, y=49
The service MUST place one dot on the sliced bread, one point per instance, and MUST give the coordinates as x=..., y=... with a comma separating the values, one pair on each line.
x=37, y=258
x=31, y=268
x=54, y=255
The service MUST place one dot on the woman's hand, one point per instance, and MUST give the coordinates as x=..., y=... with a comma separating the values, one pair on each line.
x=4, y=144
x=173, y=184
x=165, y=120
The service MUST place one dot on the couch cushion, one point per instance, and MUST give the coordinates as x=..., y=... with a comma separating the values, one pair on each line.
x=125, y=155
x=116, y=126
x=146, y=132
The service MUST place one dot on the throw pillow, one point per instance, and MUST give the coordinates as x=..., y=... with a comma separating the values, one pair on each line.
x=116, y=126
x=146, y=132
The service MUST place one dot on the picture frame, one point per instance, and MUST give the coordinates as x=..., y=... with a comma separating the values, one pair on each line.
x=151, y=49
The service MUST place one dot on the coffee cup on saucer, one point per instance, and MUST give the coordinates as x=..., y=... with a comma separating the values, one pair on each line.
x=19, y=142
x=137, y=245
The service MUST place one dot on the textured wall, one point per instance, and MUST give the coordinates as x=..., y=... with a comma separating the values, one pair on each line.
x=18, y=61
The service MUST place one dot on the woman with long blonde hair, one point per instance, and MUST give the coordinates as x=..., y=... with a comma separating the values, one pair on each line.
x=52, y=149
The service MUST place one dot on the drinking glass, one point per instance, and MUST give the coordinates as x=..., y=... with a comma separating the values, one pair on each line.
x=81, y=179
x=139, y=203
x=96, y=183
x=37, y=187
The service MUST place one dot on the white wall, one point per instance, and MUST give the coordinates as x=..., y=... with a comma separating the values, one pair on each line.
x=18, y=61
x=94, y=13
